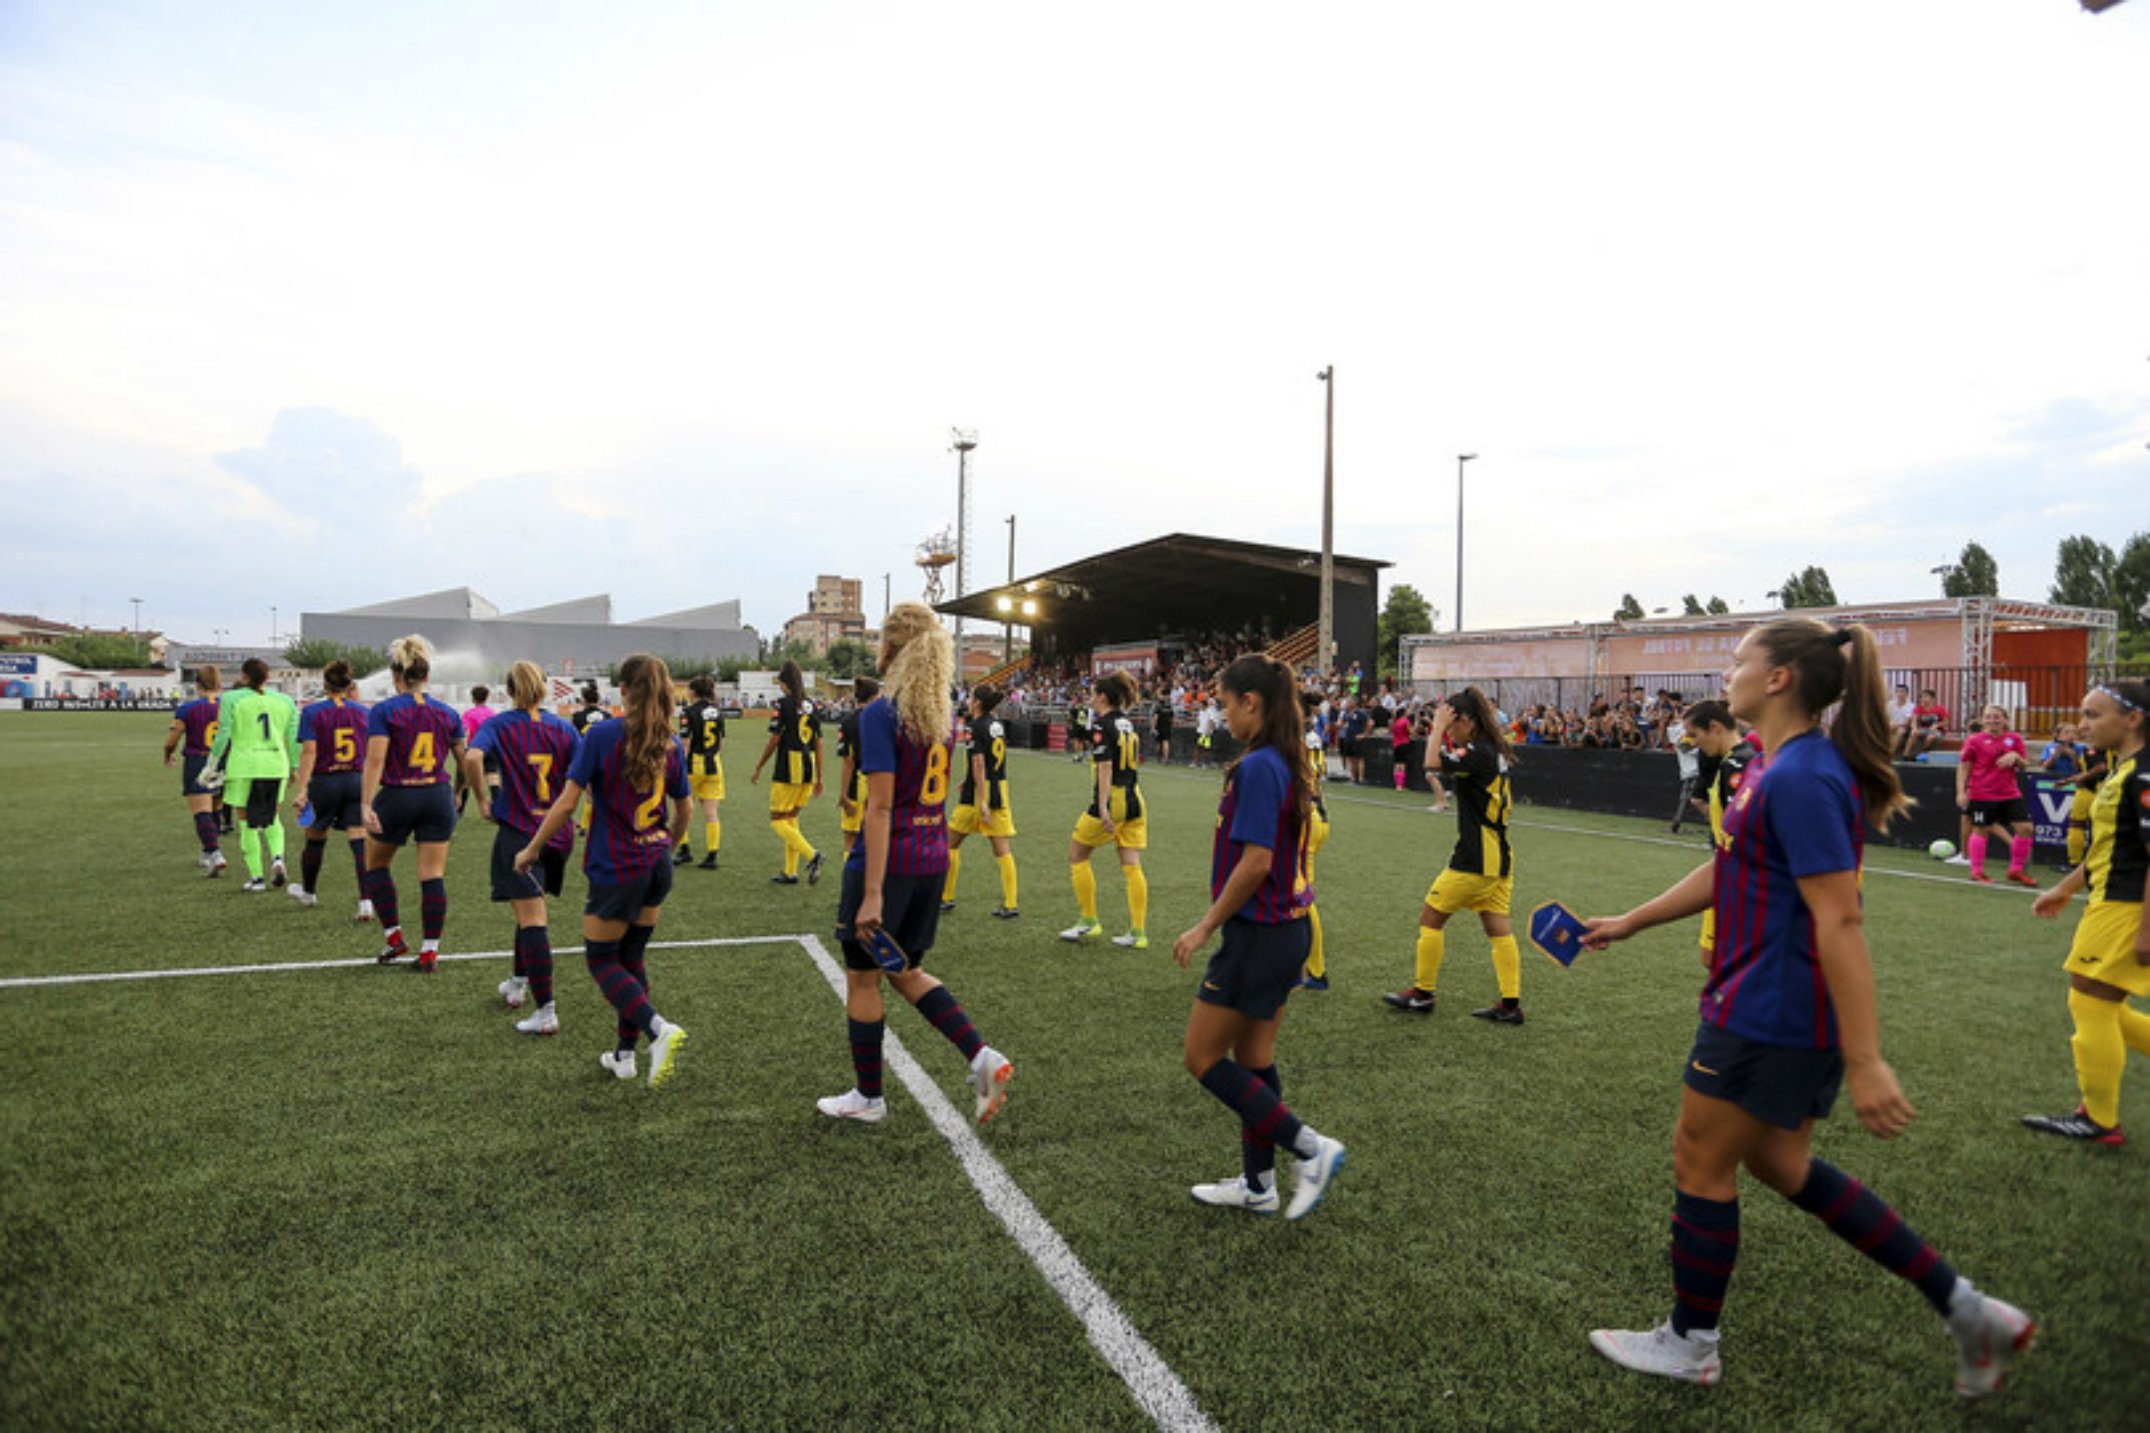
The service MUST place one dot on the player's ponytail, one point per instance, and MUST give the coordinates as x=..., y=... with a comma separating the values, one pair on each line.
x=646, y=692
x=704, y=687
x=411, y=659
x=1841, y=667
x=919, y=662
x=1118, y=689
x=1283, y=723
x=792, y=680
x=209, y=679
x=864, y=690
x=254, y=673
x=526, y=685
x=336, y=676
x=987, y=696
x=1473, y=703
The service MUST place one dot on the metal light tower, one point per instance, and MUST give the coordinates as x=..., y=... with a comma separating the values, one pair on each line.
x=962, y=440
x=137, y=617
x=1461, y=459
x=1325, y=661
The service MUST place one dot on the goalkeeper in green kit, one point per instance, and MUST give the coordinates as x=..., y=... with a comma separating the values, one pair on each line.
x=256, y=749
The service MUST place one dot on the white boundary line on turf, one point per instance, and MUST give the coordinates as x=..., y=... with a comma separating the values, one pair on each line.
x=1156, y=1389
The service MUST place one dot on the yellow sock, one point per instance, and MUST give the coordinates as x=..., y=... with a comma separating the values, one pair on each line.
x=2100, y=1055
x=1085, y=889
x=1432, y=945
x=955, y=864
x=1007, y=880
x=712, y=834
x=1508, y=967
x=2135, y=1029
x=1316, y=967
x=786, y=834
x=1138, y=897
x=806, y=847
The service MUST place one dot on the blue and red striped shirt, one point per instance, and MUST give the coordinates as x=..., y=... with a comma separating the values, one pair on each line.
x=337, y=728
x=199, y=719
x=422, y=737
x=1797, y=815
x=535, y=751
x=1258, y=809
x=918, y=812
x=630, y=830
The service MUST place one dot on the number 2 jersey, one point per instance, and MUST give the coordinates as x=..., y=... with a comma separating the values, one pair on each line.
x=422, y=737
x=630, y=827
x=534, y=752
x=918, y=807
x=337, y=728
x=797, y=727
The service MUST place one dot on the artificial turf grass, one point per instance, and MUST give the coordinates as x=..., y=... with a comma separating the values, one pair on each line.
x=1507, y=1188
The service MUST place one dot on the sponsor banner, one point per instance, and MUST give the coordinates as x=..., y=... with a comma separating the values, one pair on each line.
x=97, y=704
x=18, y=664
x=2049, y=805
x=1140, y=661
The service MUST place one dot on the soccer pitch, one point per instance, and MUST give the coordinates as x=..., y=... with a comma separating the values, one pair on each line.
x=345, y=1196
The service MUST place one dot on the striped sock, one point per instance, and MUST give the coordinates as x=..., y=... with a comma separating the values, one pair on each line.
x=1258, y=1154
x=1859, y=1217
x=1705, y=1245
x=433, y=908
x=634, y=959
x=310, y=863
x=866, y=1055
x=380, y=888
x=940, y=1008
x=205, y=829
x=533, y=960
x=358, y=861
x=1260, y=1111
x=623, y=991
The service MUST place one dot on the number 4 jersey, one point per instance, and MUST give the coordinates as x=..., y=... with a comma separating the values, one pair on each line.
x=422, y=737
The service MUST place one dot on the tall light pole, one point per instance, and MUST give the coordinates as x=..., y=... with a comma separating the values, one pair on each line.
x=1007, y=650
x=886, y=600
x=1326, y=660
x=272, y=626
x=137, y=617
x=1461, y=459
x=962, y=440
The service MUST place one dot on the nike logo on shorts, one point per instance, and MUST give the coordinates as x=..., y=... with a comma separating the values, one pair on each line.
x=1702, y=1067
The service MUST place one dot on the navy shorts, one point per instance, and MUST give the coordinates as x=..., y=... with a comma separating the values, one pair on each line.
x=426, y=812
x=910, y=911
x=336, y=799
x=542, y=879
x=1256, y=966
x=1781, y=1085
x=1998, y=813
x=624, y=900
x=190, y=776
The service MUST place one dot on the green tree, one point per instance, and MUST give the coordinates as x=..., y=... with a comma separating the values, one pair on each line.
x=100, y=652
x=1407, y=613
x=319, y=652
x=1690, y=606
x=729, y=668
x=1973, y=574
x=2083, y=573
x=1808, y=588
x=683, y=669
x=848, y=658
x=2131, y=583
x=1630, y=609
x=1719, y=607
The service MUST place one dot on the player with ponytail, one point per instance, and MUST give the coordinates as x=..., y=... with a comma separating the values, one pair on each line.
x=795, y=742
x=1116, y=816
x=983, y=805
x=1259, y=899
x=631, y=767
x=332, y=756
x=893, y=877
x=194, y=726
x=413, y=746
x=1788, y=1010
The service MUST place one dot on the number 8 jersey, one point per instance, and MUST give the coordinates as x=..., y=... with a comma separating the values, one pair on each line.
x=918, y=811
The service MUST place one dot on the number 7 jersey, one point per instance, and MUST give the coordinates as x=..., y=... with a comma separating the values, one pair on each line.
x=534, y=751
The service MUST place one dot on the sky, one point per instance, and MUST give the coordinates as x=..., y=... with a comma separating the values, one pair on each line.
x=303, y=307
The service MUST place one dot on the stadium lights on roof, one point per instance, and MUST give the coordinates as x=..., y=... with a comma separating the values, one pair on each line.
x=2094, y=6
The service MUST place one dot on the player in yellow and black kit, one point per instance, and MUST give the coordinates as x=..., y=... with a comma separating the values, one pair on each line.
x=2109, y=959
x=795, y=742
x=1475, y=756
x=1725, y=754
x=982, y=803
x=851, y=792
x=1317, y=836
x=589, y=714
x=1115, y=817
x=701, y=726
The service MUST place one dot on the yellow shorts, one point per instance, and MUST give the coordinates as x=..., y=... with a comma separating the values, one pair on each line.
x=1127, y=835
x=1317, y=834
x=853, y=821
x=970, y=821
x=705, y=778
x=2104, y=947
x=1460, y=891
x=789, y=796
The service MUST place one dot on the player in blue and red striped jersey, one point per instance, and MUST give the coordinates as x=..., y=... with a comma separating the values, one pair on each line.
x=331, y=782
x=413, y=745
x=1788, y=1010
x=630, y=766
x=893, y=876
x=1259, y=899
x=533, y=750
x=194, y=724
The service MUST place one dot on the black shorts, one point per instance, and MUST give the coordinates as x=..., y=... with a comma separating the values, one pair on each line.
x=425, y=812
x=335, y=799
x=1256, y=966
x=1348, y=747
x=542, y=879
x=1998, y=813
x=190, y=776
x=263, y=796
x=910, y=911
x=1781, y=1085
x=624, y=900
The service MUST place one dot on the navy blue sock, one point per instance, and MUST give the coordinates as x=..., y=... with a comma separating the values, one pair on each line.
x=533, y=960
x=1257, y=1155
x=1705, y=1245
x=1863, y=1220
x=940, y=1008
x=1257, y=1105
x=866, y=1055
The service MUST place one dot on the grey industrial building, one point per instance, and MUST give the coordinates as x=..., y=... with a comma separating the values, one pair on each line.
x=566, y=638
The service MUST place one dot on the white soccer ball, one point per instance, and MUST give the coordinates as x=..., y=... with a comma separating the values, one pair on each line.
x=1941, y=850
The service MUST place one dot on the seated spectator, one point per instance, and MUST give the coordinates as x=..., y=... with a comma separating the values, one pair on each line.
x=1928, y=724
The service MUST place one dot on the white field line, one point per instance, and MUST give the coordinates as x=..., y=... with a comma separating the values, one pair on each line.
x=1156, y=1388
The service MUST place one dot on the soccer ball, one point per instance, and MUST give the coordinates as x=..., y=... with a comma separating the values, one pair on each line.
x=1941, y=850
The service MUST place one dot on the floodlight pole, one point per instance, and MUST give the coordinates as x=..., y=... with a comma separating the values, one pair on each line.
x=1325, y=661
x=1461, y=459
x=1007, y=650
x=962, y=440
